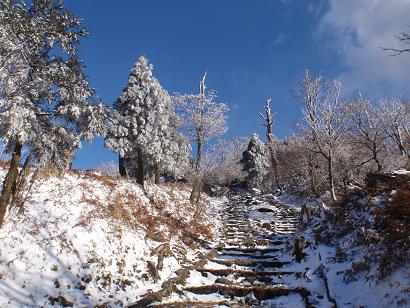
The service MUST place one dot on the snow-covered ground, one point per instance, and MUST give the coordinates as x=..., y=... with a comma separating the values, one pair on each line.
x=347, y=244
x=84, y=239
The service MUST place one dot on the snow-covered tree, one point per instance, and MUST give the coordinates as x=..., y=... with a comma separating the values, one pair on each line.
x=203, y=119
x=323, y=120
x=175, y=151
x=143, y=126
x=44, y=95
x=395, y=117
x=256, y=164
x=366, y=130
x=272, y=141
x=221, y=164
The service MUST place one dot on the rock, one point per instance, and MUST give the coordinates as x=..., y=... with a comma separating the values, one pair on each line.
x=153, y=271
x=266, y=225
x=298, y=246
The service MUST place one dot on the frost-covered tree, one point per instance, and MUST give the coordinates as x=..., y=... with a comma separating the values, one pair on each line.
x=323, y=120
x=272, y=141
x=222, y=165
x=256, y=164
x=140, y=124
x=44, y=95
x=174, y=155
x=203, y=119
x=366, y=130
x=395, y=117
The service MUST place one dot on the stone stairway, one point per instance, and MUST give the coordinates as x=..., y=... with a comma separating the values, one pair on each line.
x=249, y=266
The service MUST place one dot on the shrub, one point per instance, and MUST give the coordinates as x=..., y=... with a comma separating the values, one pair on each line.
x=393, y=221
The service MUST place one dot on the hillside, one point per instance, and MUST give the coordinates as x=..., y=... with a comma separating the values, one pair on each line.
x=89, y=239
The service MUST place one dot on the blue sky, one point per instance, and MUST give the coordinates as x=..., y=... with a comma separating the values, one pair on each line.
x=251, y=50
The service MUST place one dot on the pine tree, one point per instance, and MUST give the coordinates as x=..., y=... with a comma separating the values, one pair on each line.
x=174, y=150
x=175, y=153
x=140, y=120
x=44, y=95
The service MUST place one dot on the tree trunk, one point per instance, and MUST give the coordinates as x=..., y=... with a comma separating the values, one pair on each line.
x=274, y=163
x=140, y=175
x=157, y=174
x=121, y=166
x=196, y=187
x=198, y=156
x=9, y=183
x=376, y=160
x=311, y=171
x=331, y=177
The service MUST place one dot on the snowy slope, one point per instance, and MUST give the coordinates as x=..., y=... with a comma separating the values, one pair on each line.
x=84, y=239
x=346, y=242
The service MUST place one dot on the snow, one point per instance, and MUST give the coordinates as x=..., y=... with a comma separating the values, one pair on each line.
x=292, y=300
x=364, y=290
x=401, y=171
x=64, y=245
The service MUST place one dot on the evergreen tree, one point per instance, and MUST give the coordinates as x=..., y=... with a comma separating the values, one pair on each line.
x=140, y=124
x=44, y=95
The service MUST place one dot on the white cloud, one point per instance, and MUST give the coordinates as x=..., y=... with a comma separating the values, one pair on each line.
x=357, y=29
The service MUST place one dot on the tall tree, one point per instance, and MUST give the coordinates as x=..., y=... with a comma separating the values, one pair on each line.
x=272, y=141
x=203, y=120
x=140, y=118
x=44, y=95
x=324, y=120
x=395, y=117
x=175, y=151
x=365, y=129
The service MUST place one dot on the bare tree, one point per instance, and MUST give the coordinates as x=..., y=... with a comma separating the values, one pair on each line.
x=324, y=120
x=272, y=141
x=222, y=165
x=395, y=118
x=203, y=120
x=366, y=129
x=403, y=38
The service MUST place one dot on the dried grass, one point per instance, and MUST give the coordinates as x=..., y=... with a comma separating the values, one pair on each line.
x=127, y=208
x=393, y=222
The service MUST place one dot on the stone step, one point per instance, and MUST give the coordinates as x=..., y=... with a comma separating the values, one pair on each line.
x=260, y=292
x=209, y=304
x=237, y=273
x=249, y=250
x=251, y=263
x=247, y=255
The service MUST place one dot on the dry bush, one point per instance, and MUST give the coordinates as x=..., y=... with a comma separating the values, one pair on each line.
x=393, y=222
x=189, y=231
x=127, y=208
x=50, y=171
x=109, y=169
x=4, y=164
x=109, y=182
x=178, y=185
x=341, y=209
